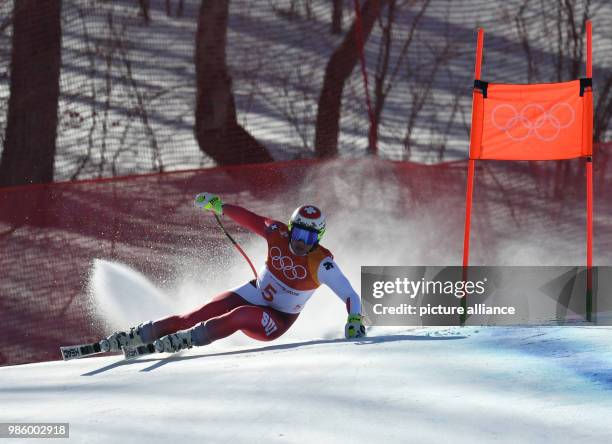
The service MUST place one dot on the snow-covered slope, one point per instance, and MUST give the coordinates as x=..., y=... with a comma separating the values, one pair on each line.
x=423, y=385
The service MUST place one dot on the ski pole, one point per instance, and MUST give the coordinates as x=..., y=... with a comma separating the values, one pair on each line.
x=240, y=250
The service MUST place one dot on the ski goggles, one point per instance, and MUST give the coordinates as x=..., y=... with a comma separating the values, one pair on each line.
x=306, y=235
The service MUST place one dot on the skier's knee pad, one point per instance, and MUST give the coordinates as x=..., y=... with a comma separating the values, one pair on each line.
x=199, y=335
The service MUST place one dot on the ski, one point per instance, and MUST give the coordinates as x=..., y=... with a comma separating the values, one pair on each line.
x=132, y=352
x=80, y=351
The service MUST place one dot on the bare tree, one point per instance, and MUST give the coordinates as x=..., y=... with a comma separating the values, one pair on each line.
x=140, y=108
x=422, y=75
x=179, y=8
x=563, y=25
x=31, y=130
x=523, y=33
x=145, y=10
x=569, y=39
x=338, y=69
x=216, y=127
x=603, y=109
x=295, y=91
x=386, y=75
x=336, y=27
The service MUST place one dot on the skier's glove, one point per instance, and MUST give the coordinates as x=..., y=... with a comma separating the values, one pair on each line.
x=354, y=327
x=210, y=202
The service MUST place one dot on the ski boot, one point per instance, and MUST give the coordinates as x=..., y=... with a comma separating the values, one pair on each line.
x=183, y=339
x=174, y=342
x=137, y=336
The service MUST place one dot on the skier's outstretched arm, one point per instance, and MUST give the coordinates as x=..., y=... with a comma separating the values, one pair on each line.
x=331, y=275
x=242, y=216
x=246, y=218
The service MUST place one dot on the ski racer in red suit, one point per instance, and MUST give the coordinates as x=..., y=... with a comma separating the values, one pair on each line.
x=263, y=308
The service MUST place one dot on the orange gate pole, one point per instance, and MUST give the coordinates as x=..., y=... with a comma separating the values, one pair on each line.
x=589, y=188
x=589, y=165
x=471, y=165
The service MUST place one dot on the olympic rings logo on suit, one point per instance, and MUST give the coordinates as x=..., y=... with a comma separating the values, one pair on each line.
x=550, y=119
x=285, y=264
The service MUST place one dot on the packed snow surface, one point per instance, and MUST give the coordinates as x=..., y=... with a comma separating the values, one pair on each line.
x=538, y=384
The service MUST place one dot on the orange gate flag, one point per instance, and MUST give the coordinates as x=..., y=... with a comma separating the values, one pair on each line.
x=545, y=121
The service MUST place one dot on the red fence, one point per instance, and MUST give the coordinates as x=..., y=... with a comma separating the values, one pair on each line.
x=49, y=235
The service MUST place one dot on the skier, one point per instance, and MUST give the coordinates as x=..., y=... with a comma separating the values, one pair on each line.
x=263, y=308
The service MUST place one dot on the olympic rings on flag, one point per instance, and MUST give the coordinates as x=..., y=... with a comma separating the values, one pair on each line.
x=553, y=118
